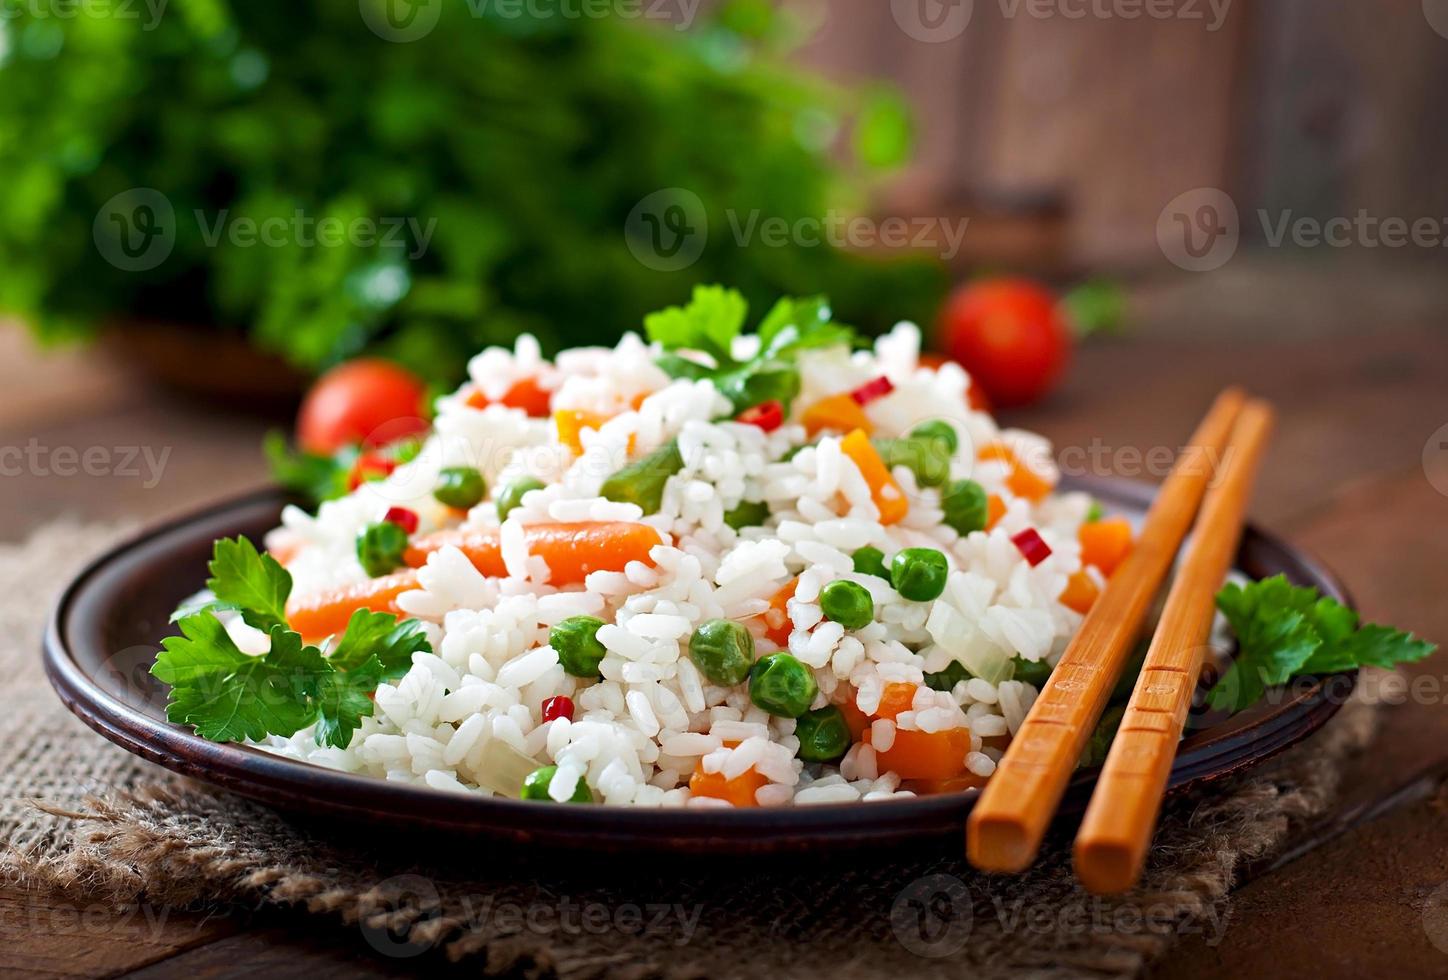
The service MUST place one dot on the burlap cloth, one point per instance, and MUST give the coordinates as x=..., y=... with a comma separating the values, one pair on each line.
x=112, y=828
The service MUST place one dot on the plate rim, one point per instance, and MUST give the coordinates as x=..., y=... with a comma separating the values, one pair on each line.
x=300, y=786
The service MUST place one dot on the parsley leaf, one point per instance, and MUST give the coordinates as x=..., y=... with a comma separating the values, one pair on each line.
x=379, y=636
x=227, y=695
x=308, y=475
x=343, y=701
x=711, y=321
x=252, y=583
x=1285, y=631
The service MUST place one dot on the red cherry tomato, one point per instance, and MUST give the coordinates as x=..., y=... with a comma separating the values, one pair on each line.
x=367, y=401
x=1010, y=335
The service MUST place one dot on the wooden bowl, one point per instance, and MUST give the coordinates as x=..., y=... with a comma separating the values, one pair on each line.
x=106, y=627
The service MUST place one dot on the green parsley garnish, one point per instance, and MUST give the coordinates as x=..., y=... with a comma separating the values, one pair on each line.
x=1285, y=631
x=715, y=316
x=228, y=695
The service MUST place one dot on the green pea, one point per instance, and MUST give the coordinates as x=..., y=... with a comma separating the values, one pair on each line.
x=750, y=513
x=512, y=494
x=919, y=573
x=535, y=786
x=871, y=561
x=928, y=459
x=781, y=685
x=723, y=650
x=380, y=547
x=823, y=735
x=643, y=482
x=966, y=506
x=847, y=603
x=938, y=431
x=1033, y=672
x=575, y=640
x=946, y=679
x=460, y=486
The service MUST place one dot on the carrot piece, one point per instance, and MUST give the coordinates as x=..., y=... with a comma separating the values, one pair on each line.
x=839, y=412
x=995, y=509
x=926, y=755
x=898, y=697
x=1105, y=544
x=327, y=612
x=886, y=493
x=571, y=422
x=572, y=551
x=1022, y=480
x=740, y=790
x=525, y=394
x=1080, y=593
x=856, y=720
x=780, y=628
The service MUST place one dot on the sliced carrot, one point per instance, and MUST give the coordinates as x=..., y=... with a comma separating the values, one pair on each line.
x=897, y=697
x=1022, y=480
x=855, y=719
x=1105, y=544
x=572, y=551
x=839, y=412
x=1080, y=593
x=525, y=394
x=995, y=509
x=740, y=790
x=327, y=612
x=778, y=628
x=926, y=755
x=888, y=497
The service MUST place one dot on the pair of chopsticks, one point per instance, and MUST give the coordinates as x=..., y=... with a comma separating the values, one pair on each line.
x=1010, y=819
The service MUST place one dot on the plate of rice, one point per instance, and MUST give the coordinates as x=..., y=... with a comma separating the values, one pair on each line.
x=709, y=587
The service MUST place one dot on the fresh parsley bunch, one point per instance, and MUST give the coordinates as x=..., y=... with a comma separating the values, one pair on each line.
x=230, y=696
x=1285, y=632
x=712, y=321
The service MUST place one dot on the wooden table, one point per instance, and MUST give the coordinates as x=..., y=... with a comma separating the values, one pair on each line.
x=1346, y=480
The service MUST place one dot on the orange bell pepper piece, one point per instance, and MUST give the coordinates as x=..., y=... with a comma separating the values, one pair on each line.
x=1080, y=593
x=884, y=491
x=839, y=412
x=1105, y=544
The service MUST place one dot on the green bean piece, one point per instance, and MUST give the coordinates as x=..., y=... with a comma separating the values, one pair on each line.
x=782, y=686
x=928, y=459
x=945, y=680
x=723, y=650
x=643, y=482
x=575, y=640
x=749, y=513
x=380, y=548
x=823, y=735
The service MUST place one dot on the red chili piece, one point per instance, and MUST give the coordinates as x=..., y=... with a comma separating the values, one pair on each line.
x=766, y=415
x=559, y=707
x=872, y=390
x=1031, y=546
x=368, y=467
x=402, y=517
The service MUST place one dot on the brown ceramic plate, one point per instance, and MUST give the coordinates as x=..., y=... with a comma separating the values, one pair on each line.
x=105, y=629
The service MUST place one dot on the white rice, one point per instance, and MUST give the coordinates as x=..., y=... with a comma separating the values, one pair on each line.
x=467, y=718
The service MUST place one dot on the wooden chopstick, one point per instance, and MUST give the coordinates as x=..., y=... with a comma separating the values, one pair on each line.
x=1111, y=844
x=1006, y=826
